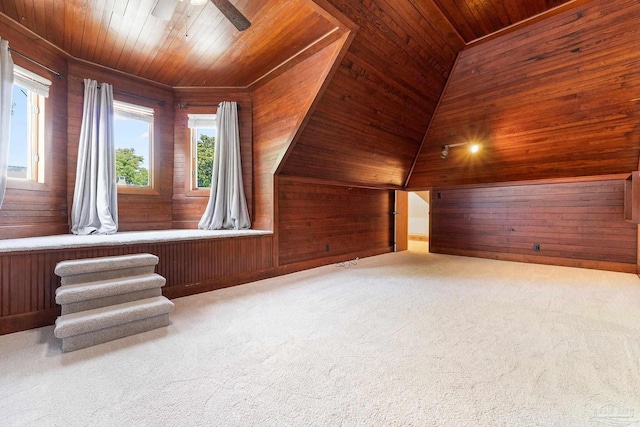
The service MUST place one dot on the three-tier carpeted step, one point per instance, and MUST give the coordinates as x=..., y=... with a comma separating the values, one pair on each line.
x=107, y=298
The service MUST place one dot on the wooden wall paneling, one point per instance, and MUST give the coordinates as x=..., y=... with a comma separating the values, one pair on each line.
x=28, y=284
x=142, y=210
x=474, y=20
x=367, y=127
x=576, y=224
x=188, y=207
x=638, y=227
x=563, y=106
x=33, y=209
x=320, y=224
x=281, y=106
x=632, y=198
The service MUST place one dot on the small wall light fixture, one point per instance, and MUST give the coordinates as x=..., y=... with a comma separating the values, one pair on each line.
x=473, y=147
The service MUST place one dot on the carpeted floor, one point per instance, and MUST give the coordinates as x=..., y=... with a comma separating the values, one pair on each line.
x=394, y=340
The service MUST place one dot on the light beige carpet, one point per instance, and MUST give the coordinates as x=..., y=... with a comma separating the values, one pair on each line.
x=394, y=340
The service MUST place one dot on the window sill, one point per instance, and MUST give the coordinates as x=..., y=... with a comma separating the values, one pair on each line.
x=23, y=184
x=199, y=193
x=123, y=189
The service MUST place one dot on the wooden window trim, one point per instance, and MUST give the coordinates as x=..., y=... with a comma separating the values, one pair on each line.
x=189, y=191
x=152, y=189
x=43, y=173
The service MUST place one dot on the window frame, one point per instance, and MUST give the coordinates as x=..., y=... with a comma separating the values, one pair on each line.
x=38, y=87
x=190, y=177
x=153, y=163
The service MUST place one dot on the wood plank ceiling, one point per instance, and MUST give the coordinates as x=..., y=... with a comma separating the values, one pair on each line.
x=555, y=99
x=475, y=19
x=367, y=127
x=197, y=47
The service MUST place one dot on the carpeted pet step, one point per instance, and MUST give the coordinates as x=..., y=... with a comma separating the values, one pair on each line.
x=104, y=268
x=91, y=327
x=87, y=296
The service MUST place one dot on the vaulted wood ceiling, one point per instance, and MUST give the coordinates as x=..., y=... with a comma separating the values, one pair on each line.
x=555, y=99
x=475, y=19
x=371, y=121
x=199, y=47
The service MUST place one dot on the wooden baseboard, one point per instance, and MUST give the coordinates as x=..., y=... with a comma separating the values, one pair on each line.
x=334, y=259
x=22, y=322
x=537, y=259
x=419, y=237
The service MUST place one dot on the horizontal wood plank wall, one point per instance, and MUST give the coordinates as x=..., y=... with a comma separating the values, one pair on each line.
x=320, y=224
x=579, y=224
x=28, y=284
x=188, y=208
x=558, y=98
x=477, y=20
x=135, y=211
x=40, y=209
x=368, y=126
x=280, y=105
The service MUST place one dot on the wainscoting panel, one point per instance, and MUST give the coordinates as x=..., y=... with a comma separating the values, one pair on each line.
x=28, y=283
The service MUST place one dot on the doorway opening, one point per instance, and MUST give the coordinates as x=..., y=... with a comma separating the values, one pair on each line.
x=419, y=221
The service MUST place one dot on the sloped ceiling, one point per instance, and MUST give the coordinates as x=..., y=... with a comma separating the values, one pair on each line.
x=199, y=47
x=475, y=19
x=556, y=99
x=368, y=126
x=370, y=123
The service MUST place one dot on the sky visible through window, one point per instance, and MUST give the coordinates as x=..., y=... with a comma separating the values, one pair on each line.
x=205, y=131
x=132, y=133
x=18, y=142
x=128, y=132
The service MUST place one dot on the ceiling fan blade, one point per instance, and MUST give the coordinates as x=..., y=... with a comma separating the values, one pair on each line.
x=232, y=14
x=164, y=9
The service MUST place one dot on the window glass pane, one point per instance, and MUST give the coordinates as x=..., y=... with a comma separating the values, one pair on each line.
x=204, y=148
x=133, y=140
x=19, y=140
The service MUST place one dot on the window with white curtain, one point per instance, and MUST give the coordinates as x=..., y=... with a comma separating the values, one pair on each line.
x=203, y=139
x=133, y=136
x=26, y=144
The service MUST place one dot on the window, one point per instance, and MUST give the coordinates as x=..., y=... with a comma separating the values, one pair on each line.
x=26, y=143
x=203, y=138
x=133, y=136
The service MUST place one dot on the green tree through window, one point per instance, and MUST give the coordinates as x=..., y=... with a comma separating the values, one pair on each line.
x=129, y=166
x=205, y=151
x=133, y=140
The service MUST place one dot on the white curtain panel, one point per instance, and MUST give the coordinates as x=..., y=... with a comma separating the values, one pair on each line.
x=227, y=206
x=6, y=92
x=95, y=204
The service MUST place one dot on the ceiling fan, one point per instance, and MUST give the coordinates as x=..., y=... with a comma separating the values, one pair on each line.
x=164, y=10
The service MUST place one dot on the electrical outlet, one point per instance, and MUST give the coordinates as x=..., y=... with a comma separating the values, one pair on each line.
x=536, y=247
x=326, y=247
